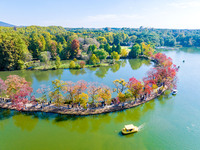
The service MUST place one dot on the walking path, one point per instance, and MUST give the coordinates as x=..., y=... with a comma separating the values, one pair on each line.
x=52, y=108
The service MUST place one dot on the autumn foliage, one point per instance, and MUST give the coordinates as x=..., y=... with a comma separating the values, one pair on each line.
x=81, y=93
x=74, y=47
x=163, y=75
x=18, y=90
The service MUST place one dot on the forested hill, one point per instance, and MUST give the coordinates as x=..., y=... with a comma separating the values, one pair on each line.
x=3, y=24
x=19, y=45
x=157, y=37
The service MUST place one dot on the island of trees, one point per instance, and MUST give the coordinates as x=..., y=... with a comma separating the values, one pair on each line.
x=35, y=47
x=82, y=98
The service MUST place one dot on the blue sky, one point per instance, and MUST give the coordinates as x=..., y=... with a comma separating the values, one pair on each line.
x=102, y=13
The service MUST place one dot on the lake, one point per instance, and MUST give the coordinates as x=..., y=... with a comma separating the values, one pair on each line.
x=169, y=122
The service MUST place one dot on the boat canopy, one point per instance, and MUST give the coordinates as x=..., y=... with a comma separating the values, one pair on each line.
x=130, y=126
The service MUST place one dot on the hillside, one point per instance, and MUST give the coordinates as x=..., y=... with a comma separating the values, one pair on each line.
x=6, y=24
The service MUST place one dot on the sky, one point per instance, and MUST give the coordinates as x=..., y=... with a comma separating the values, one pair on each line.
x=173, y=14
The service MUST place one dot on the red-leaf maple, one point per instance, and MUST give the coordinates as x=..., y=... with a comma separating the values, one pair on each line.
x=18, y=90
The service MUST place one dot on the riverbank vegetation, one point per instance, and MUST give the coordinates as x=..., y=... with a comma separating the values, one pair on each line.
x=37, y=47
x=82, y=95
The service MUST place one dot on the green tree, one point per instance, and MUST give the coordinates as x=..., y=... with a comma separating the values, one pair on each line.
x=34, y=45
x=56, y=95
x=101, y=54
x=45, y=57
x=94, y=60
x=108, y=48
x=135, y=51
x=115, y=56
x=59, y=48
x=118, y=49
x=65, y=53
x=113, y=48
x=57, y=63
x=91, y=49
x=12, y=50
x=102, y=40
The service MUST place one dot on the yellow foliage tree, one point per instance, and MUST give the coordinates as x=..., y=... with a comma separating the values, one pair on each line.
x=83, y=99
x=121, y=96
x=105, y=94
x=120, y=85
x=124, y=53
x=147, y=49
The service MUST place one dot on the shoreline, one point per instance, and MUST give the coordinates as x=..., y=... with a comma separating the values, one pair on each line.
x=82, y=112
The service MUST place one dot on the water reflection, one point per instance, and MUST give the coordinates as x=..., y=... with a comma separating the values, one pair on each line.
x=137, y=63
x=77, y=71
x=46, y=75
x=191, y=50
x=134, y=114
x=72, y=123
x=25, y=121
x=82, y=124
x=99, y=72
x=165, y=97
x=115, y=67
x=5, y=114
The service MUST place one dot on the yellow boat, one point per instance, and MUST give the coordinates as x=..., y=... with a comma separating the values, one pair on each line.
x=129, y=129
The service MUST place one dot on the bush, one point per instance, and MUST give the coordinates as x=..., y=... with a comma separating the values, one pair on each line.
x=75, y=60
x=94, y=60
x=82, y=64
x=20, y=64
x=77, y=66
x=29, y=64
x=72, y=64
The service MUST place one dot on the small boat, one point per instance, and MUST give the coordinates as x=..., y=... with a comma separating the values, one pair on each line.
x=129, y=129
x=174, y=92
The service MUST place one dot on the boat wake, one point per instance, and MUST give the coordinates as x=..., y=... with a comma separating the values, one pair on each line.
x=141, y=126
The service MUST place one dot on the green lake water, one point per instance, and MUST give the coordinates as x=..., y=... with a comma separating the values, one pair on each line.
x=169, y=122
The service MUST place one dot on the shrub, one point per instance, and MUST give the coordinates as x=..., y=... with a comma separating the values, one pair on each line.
x=82, y=64
x=72, y=64
x=75, y=60
x=77, y=66
x=94, y=60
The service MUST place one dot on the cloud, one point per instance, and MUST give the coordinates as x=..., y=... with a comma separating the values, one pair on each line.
x=112, y=17
x=186, y=4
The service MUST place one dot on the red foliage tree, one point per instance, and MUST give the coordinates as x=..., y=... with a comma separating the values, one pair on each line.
x=93, y=91
x=135, y=87
x=74, y=90
x=53, y=49
x=74, y=48
x=163, y=60
x=18, y=90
